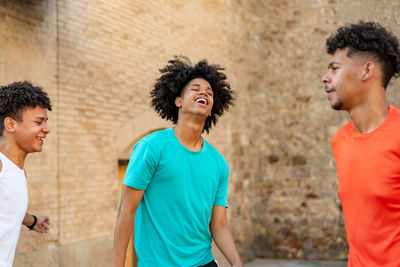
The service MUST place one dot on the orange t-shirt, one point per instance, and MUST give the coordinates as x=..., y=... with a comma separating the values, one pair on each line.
x=368, y=167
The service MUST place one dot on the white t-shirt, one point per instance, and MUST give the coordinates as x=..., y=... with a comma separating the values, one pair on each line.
x=13, y=206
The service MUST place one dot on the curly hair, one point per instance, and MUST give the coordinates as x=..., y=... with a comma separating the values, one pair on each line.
x=18, y=95
x=372, y=38
x=176, y=75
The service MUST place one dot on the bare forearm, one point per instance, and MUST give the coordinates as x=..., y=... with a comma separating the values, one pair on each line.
x=28, y=220
x=224, y=241
x=130, y=200
x=123, y=232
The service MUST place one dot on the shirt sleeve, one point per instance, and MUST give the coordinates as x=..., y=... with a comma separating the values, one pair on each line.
x=141, y=167
x=221, y=197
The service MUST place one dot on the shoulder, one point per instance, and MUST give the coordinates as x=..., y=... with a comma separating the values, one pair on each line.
x=157, y=136
x=395, y=113
x=155, y=139
x=342, y=132
x=392, y=125
x=394, y=109
x=152, y=144
x=215, y=153
x=212, y=149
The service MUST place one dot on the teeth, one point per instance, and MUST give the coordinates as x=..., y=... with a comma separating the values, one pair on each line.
x=202, y=101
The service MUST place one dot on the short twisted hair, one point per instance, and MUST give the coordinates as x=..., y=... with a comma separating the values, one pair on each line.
x=176, y=75
x=372, y=38
x=18, y=95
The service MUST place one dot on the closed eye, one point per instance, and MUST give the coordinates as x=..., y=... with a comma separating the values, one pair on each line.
x=333, y=66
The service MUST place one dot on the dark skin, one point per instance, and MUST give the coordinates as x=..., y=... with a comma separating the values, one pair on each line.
x=355, y=84
x=195, y=105
x=23, y=137
x=193, y=113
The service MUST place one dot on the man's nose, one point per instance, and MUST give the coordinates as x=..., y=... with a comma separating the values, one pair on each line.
x=203, y=91
x=46, y=129
x=325, y=78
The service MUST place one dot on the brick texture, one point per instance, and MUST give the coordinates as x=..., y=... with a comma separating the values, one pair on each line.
x=98, y=60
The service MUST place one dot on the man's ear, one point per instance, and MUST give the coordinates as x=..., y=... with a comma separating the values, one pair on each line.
x=9, y=124
x=178, y=102
x=369, y=69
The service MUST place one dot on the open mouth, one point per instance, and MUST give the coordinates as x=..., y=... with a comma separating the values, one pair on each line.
x=202, y=101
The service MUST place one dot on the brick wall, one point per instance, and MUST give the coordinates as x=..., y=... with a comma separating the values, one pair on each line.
x=282, y=160
x=98, y=61
x=28, y=51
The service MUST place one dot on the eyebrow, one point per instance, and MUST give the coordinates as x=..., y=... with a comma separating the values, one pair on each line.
x=196, y=84
x=332, y=63
x=41, y=118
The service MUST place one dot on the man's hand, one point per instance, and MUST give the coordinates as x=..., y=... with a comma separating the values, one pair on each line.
x=42, y=225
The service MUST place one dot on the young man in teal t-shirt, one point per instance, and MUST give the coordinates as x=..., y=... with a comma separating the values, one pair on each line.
x=176, y=186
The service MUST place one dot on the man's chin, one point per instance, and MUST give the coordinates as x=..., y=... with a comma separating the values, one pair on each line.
x=36, y=149
x=337, y=105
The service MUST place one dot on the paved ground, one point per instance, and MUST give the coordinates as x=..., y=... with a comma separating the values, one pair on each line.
x=294, y=263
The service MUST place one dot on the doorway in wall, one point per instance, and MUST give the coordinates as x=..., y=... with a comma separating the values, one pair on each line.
x=123, y=160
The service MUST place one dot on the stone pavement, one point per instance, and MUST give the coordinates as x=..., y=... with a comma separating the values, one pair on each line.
x=294, y=263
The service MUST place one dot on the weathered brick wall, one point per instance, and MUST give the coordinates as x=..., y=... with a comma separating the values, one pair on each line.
x=28, y=51
x=98, y=61
x=109, y=55
x=284, y=123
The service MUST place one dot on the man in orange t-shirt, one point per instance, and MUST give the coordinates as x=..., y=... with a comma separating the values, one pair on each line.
x=364, y=57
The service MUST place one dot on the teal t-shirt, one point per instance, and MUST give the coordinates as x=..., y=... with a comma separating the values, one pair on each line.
x=181, y=186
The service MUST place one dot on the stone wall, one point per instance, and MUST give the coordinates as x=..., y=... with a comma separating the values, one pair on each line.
x=283, y=124
x=98, y=61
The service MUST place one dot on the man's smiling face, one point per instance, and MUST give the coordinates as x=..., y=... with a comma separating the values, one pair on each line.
x=196, y=97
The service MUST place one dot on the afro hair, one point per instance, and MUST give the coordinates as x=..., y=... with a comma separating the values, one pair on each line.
x=176, y=75
x=372, y=38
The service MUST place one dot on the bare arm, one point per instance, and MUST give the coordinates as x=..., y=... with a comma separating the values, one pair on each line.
x=222, y=235
x=130, y=200
x=42, y=223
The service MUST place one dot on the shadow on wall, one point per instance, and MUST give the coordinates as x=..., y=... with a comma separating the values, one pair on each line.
x=32, y=12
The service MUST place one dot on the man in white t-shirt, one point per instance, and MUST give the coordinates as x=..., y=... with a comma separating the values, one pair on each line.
x=23, y=114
